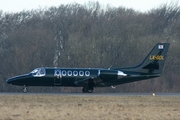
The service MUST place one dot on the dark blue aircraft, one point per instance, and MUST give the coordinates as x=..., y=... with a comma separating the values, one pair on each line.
x=88, y=78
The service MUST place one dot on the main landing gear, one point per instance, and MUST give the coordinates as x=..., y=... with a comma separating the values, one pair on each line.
x=24, y=89
x=87, y=90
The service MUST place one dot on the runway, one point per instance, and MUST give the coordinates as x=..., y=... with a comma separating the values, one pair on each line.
x=136, y=106
x=90, y=94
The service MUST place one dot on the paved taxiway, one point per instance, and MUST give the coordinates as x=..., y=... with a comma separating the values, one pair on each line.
x=92, y=94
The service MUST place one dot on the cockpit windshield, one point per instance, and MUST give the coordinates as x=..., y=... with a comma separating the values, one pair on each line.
x=39, y=72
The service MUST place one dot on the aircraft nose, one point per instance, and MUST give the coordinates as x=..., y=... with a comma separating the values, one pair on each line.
x=10, y=81
x=17, y=80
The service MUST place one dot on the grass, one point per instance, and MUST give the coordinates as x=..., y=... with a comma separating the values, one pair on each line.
x=51, y=107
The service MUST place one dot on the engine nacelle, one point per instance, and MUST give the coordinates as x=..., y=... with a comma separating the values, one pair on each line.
x=111, y=74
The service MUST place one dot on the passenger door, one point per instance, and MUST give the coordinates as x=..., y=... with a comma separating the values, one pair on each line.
x=57, y=77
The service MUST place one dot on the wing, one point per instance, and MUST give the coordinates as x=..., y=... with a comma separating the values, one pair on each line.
x=84, y=82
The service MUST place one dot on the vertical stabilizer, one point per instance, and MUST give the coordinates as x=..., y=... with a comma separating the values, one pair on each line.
x=155, y=60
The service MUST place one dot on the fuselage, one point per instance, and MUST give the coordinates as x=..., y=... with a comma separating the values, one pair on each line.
x=76, y=77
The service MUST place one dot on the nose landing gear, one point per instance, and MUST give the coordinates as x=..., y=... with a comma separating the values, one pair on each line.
x=24, y=89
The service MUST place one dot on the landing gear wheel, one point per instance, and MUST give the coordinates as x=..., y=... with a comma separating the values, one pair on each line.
x=84, y=90
x=25, y=89
x=90, y=91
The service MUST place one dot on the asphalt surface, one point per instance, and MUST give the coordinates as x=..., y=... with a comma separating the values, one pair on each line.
x=91, y=94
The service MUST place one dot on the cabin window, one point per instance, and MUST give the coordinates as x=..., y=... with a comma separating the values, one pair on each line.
x=39, y=72
x=57, y=73
x=63, y=73
x=75, y=73
x=69, y=73
x=81, y=73
x=87, y=73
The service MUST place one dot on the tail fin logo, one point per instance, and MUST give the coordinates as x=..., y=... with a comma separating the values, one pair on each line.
x=160, y=47
x=156, y=57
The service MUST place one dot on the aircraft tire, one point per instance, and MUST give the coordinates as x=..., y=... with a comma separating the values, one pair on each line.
x=90, y=91
x=24, y=89
x=84, y=90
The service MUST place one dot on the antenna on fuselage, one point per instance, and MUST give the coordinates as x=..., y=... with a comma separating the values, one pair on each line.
x=110, y=67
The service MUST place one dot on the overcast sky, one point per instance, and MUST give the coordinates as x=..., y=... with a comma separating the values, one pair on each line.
x=140, y=5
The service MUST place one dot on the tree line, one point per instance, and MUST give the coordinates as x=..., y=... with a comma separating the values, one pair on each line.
x=89, y=35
